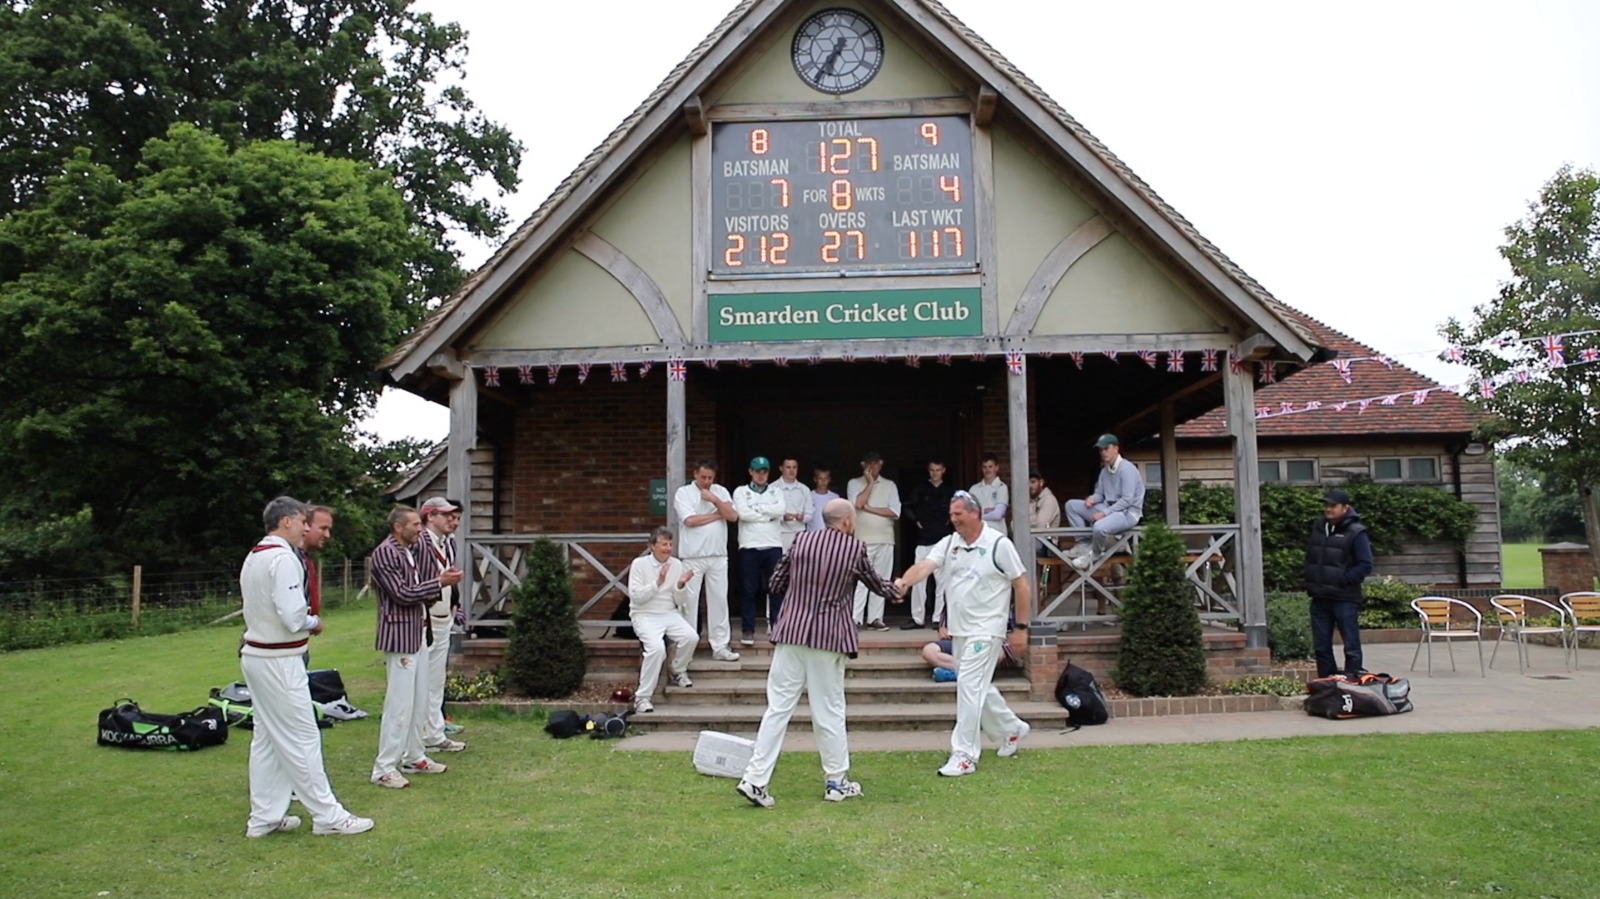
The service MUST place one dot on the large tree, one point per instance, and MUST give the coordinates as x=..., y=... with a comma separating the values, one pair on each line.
x=1547, y=415
x=370, y=80
x=186, y=342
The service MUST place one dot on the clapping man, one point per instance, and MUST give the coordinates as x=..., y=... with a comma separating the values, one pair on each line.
x=797, y=509
x=657, y=587
x=814, y=635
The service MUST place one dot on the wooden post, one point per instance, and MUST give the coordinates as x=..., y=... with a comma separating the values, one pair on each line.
x=1021, y=526
x=463, y=439
x=1169, y=462
x=677, y=444
x=138, y=582
x=1239, y=400
x=345, y=594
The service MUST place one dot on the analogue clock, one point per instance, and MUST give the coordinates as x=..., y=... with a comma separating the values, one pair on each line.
x=837, y=51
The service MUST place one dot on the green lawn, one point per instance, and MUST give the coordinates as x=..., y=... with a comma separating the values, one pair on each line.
x=523, y=815
x=1521, y=565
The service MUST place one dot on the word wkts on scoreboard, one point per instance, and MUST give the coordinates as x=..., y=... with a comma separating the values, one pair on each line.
x=843, y=196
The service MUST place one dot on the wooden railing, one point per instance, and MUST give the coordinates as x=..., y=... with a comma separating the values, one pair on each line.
x=599, y=564
x=1068, y=592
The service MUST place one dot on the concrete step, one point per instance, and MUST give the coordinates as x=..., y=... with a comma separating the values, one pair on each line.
x=744, y=720
x=864, y=693
x=883, y=665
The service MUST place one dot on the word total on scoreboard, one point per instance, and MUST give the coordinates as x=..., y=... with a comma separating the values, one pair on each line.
x=842, y=196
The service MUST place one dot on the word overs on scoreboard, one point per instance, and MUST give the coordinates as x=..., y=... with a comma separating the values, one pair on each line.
x=850, y=195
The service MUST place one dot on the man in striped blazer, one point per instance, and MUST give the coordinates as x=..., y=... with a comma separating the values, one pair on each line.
x=407, y=579
x=814, y=634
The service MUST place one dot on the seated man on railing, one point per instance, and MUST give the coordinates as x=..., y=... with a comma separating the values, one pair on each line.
x=1116, y=505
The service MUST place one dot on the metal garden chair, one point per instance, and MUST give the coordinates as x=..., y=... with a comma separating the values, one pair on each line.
x=1514, y=611
x=1581, y=605
x=1438, y=614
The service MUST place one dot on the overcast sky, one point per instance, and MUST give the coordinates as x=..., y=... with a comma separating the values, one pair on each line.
x=1360, y=160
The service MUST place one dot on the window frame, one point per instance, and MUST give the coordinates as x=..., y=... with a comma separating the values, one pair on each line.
x=1405, y=469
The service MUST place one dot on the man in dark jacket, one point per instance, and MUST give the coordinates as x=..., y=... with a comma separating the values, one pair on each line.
x=1338, y=559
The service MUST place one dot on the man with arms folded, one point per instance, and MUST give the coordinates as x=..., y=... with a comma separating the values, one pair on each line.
x=761, y=512
x=440, y=518
x=797, y=509
x=285, y=747
x=704, y=509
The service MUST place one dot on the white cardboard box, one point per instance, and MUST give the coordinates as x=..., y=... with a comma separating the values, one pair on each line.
x=722, y=755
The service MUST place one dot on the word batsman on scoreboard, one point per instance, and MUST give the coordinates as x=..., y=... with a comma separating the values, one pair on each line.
x=853, y=195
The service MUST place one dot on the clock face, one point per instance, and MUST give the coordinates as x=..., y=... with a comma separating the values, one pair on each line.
x=837, y=51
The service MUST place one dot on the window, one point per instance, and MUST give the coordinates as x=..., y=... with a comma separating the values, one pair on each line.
x=1152, y=472
x=1291, y=471
x=1415, y=469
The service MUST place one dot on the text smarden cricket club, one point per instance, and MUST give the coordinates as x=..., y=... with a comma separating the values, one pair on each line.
x=846, y=314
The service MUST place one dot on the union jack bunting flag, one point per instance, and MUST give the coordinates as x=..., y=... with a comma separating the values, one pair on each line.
x=491, y=376
x=1387, y=362
x=783, y=361
x=1362, y=405
x=1286, y=408
x=525, y=374
x=944, y=358
x=709, y=363
x=1077, y=359
x=1418, y=397
x=1342, y=366
x=1109, y=354
x=1589, y=354
x=644, y=370
x=1208, y=360
x=1014, y=363
x=1314, y=405
x=980, y=357
x=1174, y=362
x=1148, y=357
x=914, y=361
x=1341, y=406
x=880, y=357
x=1486, y=389
x=1524, y=376
x=1390, y=400
x=744, y=362
x=814, y=360
x=1455, y=354
x=552, y=372
x=1263, y=412
x=847, y=357
x=677, y=370
x=1554, y=351
x=619, y=372
x=1236, y=365
x=1269, y=373
x=1498, y=343
x=583, y=371
x=1046, y=354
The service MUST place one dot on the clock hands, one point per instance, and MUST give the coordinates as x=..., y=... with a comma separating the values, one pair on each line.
x=827, y=64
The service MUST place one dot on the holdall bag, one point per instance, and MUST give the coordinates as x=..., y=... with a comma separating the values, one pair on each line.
x=1368, y=694
x=234, y=701
x=128, y=726
x=1079, y=693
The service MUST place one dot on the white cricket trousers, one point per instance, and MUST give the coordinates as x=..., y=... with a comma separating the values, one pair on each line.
x=821, y=674
x=919, y=592
x=980, y=709
x=713, y=571
x=881, y=557
x=652, y=627
x=438, y=660
x=405, y=710
x=286, y=747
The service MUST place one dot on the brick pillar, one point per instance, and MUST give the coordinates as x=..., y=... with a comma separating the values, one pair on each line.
x=1567, y=567
x=1043, y=662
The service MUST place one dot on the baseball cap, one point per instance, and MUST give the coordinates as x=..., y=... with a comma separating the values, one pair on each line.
x=438, y=504
x=1336, y=498
x=1107, y=440
x=759, y=463
x=1033, y=474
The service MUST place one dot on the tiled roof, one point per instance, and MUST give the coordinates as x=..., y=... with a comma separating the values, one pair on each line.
x=667, y=86
x=1442, y=413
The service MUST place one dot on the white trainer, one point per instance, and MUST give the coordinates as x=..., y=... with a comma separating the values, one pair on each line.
x=394, y=780
x=643, y=705
x=682, y=680
x=348, y=827
x=284, y=825
x=840, y=790
x=424, y=765
x=1009, y=747
x=725, y=655
x=958, y=766
x=756, y=795
x=447, y=745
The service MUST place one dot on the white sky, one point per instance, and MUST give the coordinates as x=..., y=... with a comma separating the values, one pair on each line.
x=1360, y=160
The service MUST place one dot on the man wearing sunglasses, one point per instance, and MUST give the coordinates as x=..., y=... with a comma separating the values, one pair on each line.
x=982, y=571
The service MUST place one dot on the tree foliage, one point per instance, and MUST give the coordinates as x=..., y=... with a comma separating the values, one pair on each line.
x=1162, y=652
x=1547, y=422
x=190, y=341
x=369, y=80
x=1537, y=508
x=545, y=656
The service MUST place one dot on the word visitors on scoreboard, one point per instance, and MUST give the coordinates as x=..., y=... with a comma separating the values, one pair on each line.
x=855, y=195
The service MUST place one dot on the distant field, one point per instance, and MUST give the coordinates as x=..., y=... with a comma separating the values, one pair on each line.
x=1521, y=564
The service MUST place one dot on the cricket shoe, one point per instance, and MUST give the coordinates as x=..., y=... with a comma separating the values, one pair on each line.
x=394, y=780
x=1010, y=745
x=284, y=825
x=756, y=795
x=958, y=766
x=840, y=790
x=348, y=827
x=447, y=745
x=424, y=766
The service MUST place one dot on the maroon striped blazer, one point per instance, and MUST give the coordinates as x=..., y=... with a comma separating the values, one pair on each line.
x=406, y=584
x=817, y=580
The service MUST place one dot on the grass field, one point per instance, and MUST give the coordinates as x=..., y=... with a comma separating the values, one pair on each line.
x=522, y=815
x=1521, y=565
